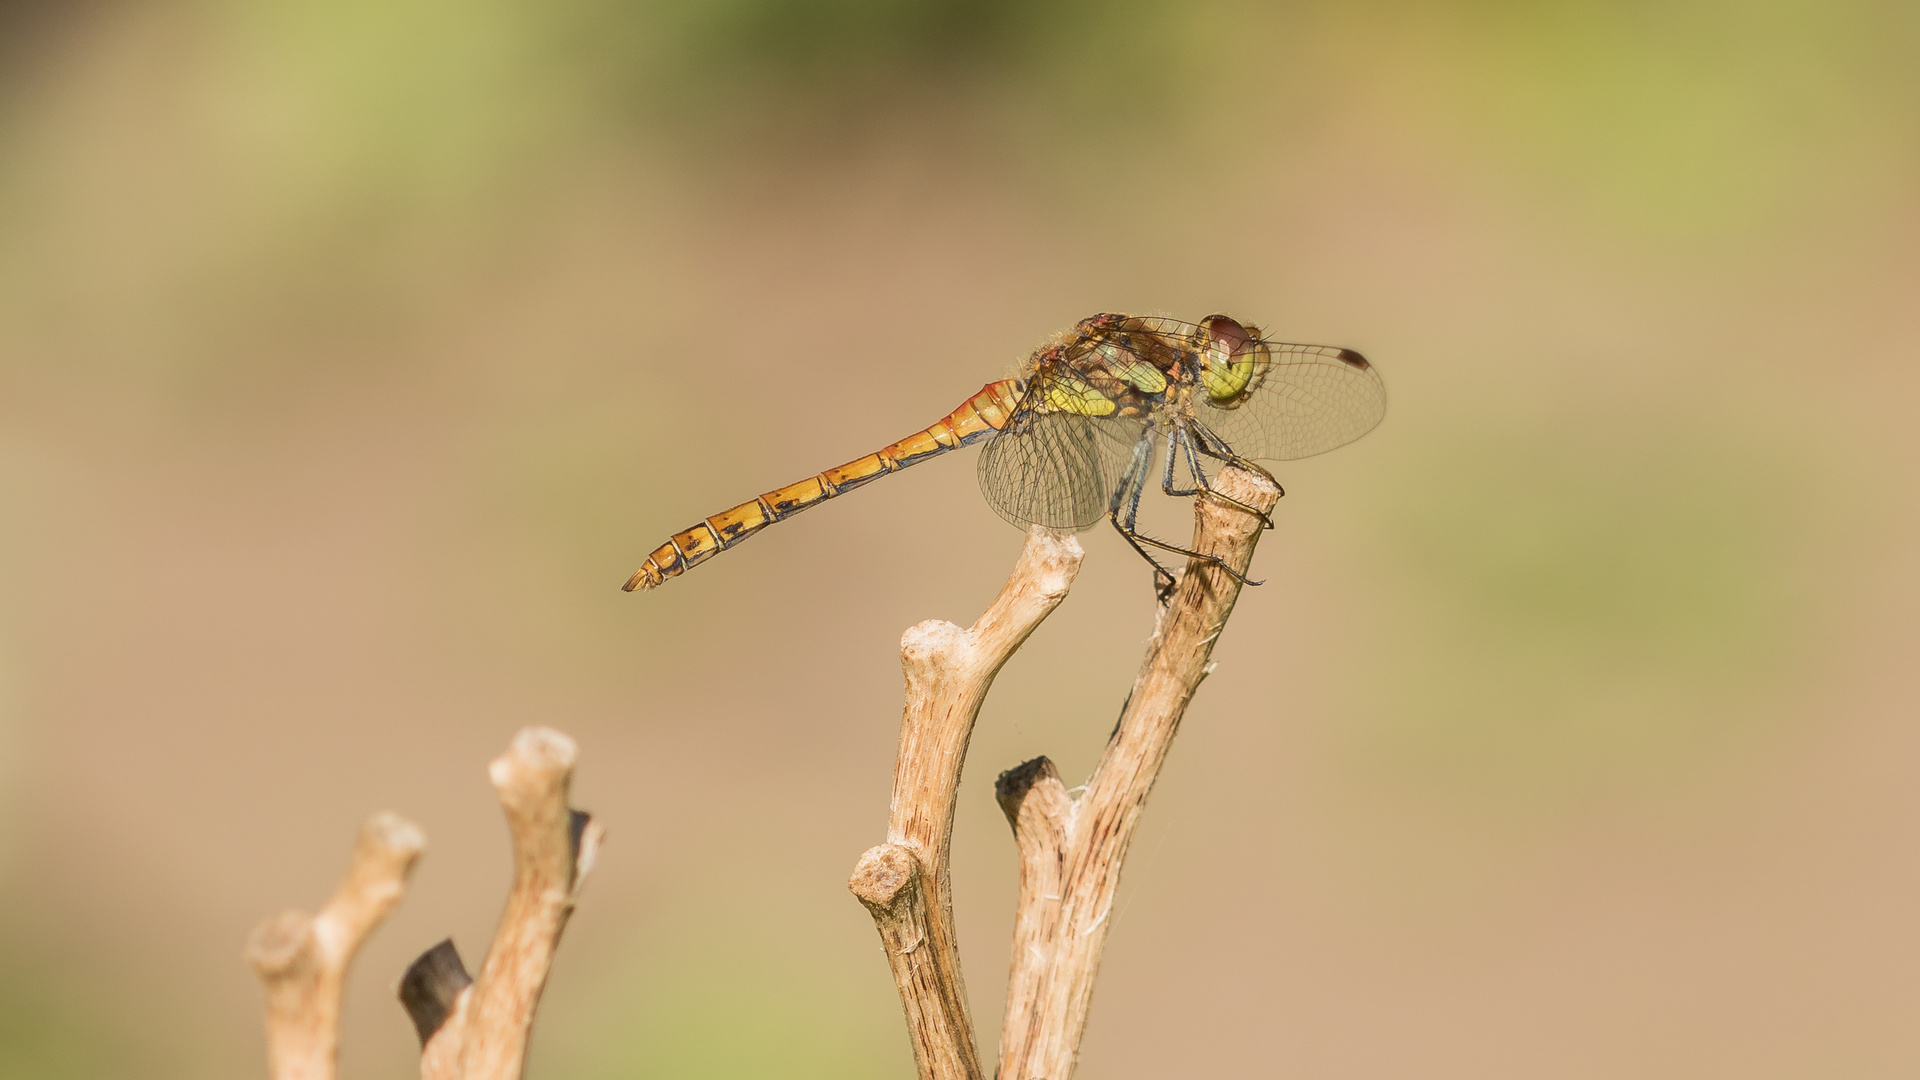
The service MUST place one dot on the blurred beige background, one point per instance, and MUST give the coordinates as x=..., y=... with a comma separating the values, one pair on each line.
x=352, y=353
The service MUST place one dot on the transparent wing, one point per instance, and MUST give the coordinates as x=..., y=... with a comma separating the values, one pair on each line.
x=1055, y=468
x=1301, y=400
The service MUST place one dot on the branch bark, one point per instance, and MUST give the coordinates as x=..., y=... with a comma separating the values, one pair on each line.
x=302, y=960
x=1071, y=850
x=904, y=882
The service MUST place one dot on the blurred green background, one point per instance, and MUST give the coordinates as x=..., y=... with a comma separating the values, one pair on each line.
x=352, y=352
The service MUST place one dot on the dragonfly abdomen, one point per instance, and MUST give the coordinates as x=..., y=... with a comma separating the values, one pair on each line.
x=979, y=416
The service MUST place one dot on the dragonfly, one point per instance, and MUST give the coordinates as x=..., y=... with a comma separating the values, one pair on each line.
x=1076, y=437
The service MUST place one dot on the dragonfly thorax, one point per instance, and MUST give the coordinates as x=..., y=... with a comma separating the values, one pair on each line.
x=1116, y=365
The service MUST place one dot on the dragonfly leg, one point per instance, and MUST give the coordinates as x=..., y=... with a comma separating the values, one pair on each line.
x=1136, y=539
x=1223, y=453
x=1176, y=446
x=1214, y=447
x=1132, y=483
x=1136, y=486
x=1265, y=521
x=1163, y=579
x=1123, y=510
x=1126, y=521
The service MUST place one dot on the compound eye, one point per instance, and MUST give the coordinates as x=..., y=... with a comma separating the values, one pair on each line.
x=1233, y=362
x=1228, y=331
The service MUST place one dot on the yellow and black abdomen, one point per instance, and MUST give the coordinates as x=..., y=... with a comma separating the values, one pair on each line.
x=981, y=415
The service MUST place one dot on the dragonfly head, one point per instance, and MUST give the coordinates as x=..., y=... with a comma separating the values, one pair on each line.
x=1233, y=360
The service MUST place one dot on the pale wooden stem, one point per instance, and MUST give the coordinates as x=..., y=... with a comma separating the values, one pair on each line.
x=1071, y=850
x=888, y=880
x=302, y=959
x=1037, y=804
x=904, y=882
x=481, y=1031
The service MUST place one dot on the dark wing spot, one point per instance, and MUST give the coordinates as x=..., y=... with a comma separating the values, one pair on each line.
x=1348, y=356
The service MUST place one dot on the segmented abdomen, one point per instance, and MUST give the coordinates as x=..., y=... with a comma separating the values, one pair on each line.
x=981, y=415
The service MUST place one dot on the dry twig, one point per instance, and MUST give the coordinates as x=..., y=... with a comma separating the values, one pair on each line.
x=468, y=1030
x=480, y=1031
x=903, y=882
x=302, y=959
x=1071, y=850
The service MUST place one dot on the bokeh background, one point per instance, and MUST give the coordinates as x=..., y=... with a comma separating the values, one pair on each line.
x=352, y=353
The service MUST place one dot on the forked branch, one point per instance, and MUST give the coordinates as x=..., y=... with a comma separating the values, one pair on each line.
x=478, y=1029
x=904, y=882
x=469, y=1030
x=1071, y=850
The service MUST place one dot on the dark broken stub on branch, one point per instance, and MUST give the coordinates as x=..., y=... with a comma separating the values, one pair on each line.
x=431, y=986
x=1011, y=787
x=471, y=1028
x=1071, y=848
